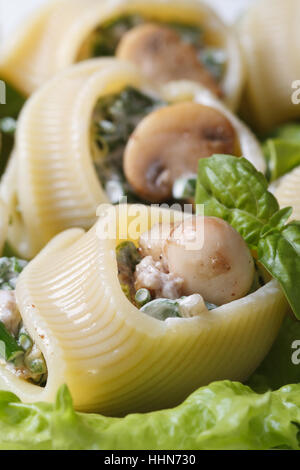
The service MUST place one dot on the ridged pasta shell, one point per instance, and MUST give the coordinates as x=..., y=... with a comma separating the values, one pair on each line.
x=270, y=39
x=58, y=186
x=114, y=358
x=52, y=40
x=287, y=192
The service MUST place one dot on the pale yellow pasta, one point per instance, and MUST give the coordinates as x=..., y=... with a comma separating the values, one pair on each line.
x=53, y=39
x=114, y=358
x=270, y=39
x=47, y=42
x=57, y=186
x=287, y=192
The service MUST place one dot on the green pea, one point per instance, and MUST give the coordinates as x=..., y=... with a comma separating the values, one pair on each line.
x=25, y=341
x=36, y=365
x=143, y=297
x=161, y=309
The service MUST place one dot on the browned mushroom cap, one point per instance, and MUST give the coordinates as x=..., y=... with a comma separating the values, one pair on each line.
x=168, y=144
x=163, y=56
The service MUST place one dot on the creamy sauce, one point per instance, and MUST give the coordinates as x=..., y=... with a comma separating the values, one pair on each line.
x=152, y=275
x=9, y=313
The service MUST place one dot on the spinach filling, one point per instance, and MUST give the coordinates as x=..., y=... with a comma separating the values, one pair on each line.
x=17, y=349
x=114, y=119
x=128, y=257
x=10, y=269
x=105, y=39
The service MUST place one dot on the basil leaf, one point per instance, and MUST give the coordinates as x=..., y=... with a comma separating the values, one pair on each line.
x=232, y=189
x=277, y=221
x=289, y=131
x=282, y=150
x=282, y=155
x=279, y=252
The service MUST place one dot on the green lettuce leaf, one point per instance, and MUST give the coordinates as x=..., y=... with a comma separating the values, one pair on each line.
x=231, y=188
x=224, y=415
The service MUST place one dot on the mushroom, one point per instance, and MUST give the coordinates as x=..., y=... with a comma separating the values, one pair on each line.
x=163, y=56
x=168, y=143
x=151, y=242
x=212, y=259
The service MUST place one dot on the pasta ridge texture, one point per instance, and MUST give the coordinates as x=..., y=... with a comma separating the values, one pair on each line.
x=270, y=43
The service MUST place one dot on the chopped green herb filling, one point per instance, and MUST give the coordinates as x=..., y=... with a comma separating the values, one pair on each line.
x=10, y=269
x=105, y=40
x=114, y=119
x=214, y=60
x=128, y=257
x=107, y=37
x=9, y=348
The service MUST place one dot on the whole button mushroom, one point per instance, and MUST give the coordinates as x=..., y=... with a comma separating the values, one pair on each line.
x=151, y=242
x=212, y=259
x=168, y=144
x=163, y=56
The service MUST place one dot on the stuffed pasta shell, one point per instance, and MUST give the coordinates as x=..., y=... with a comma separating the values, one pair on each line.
x=269, y=34
x=105, y=134
x=124, y=341
x=167, y=39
